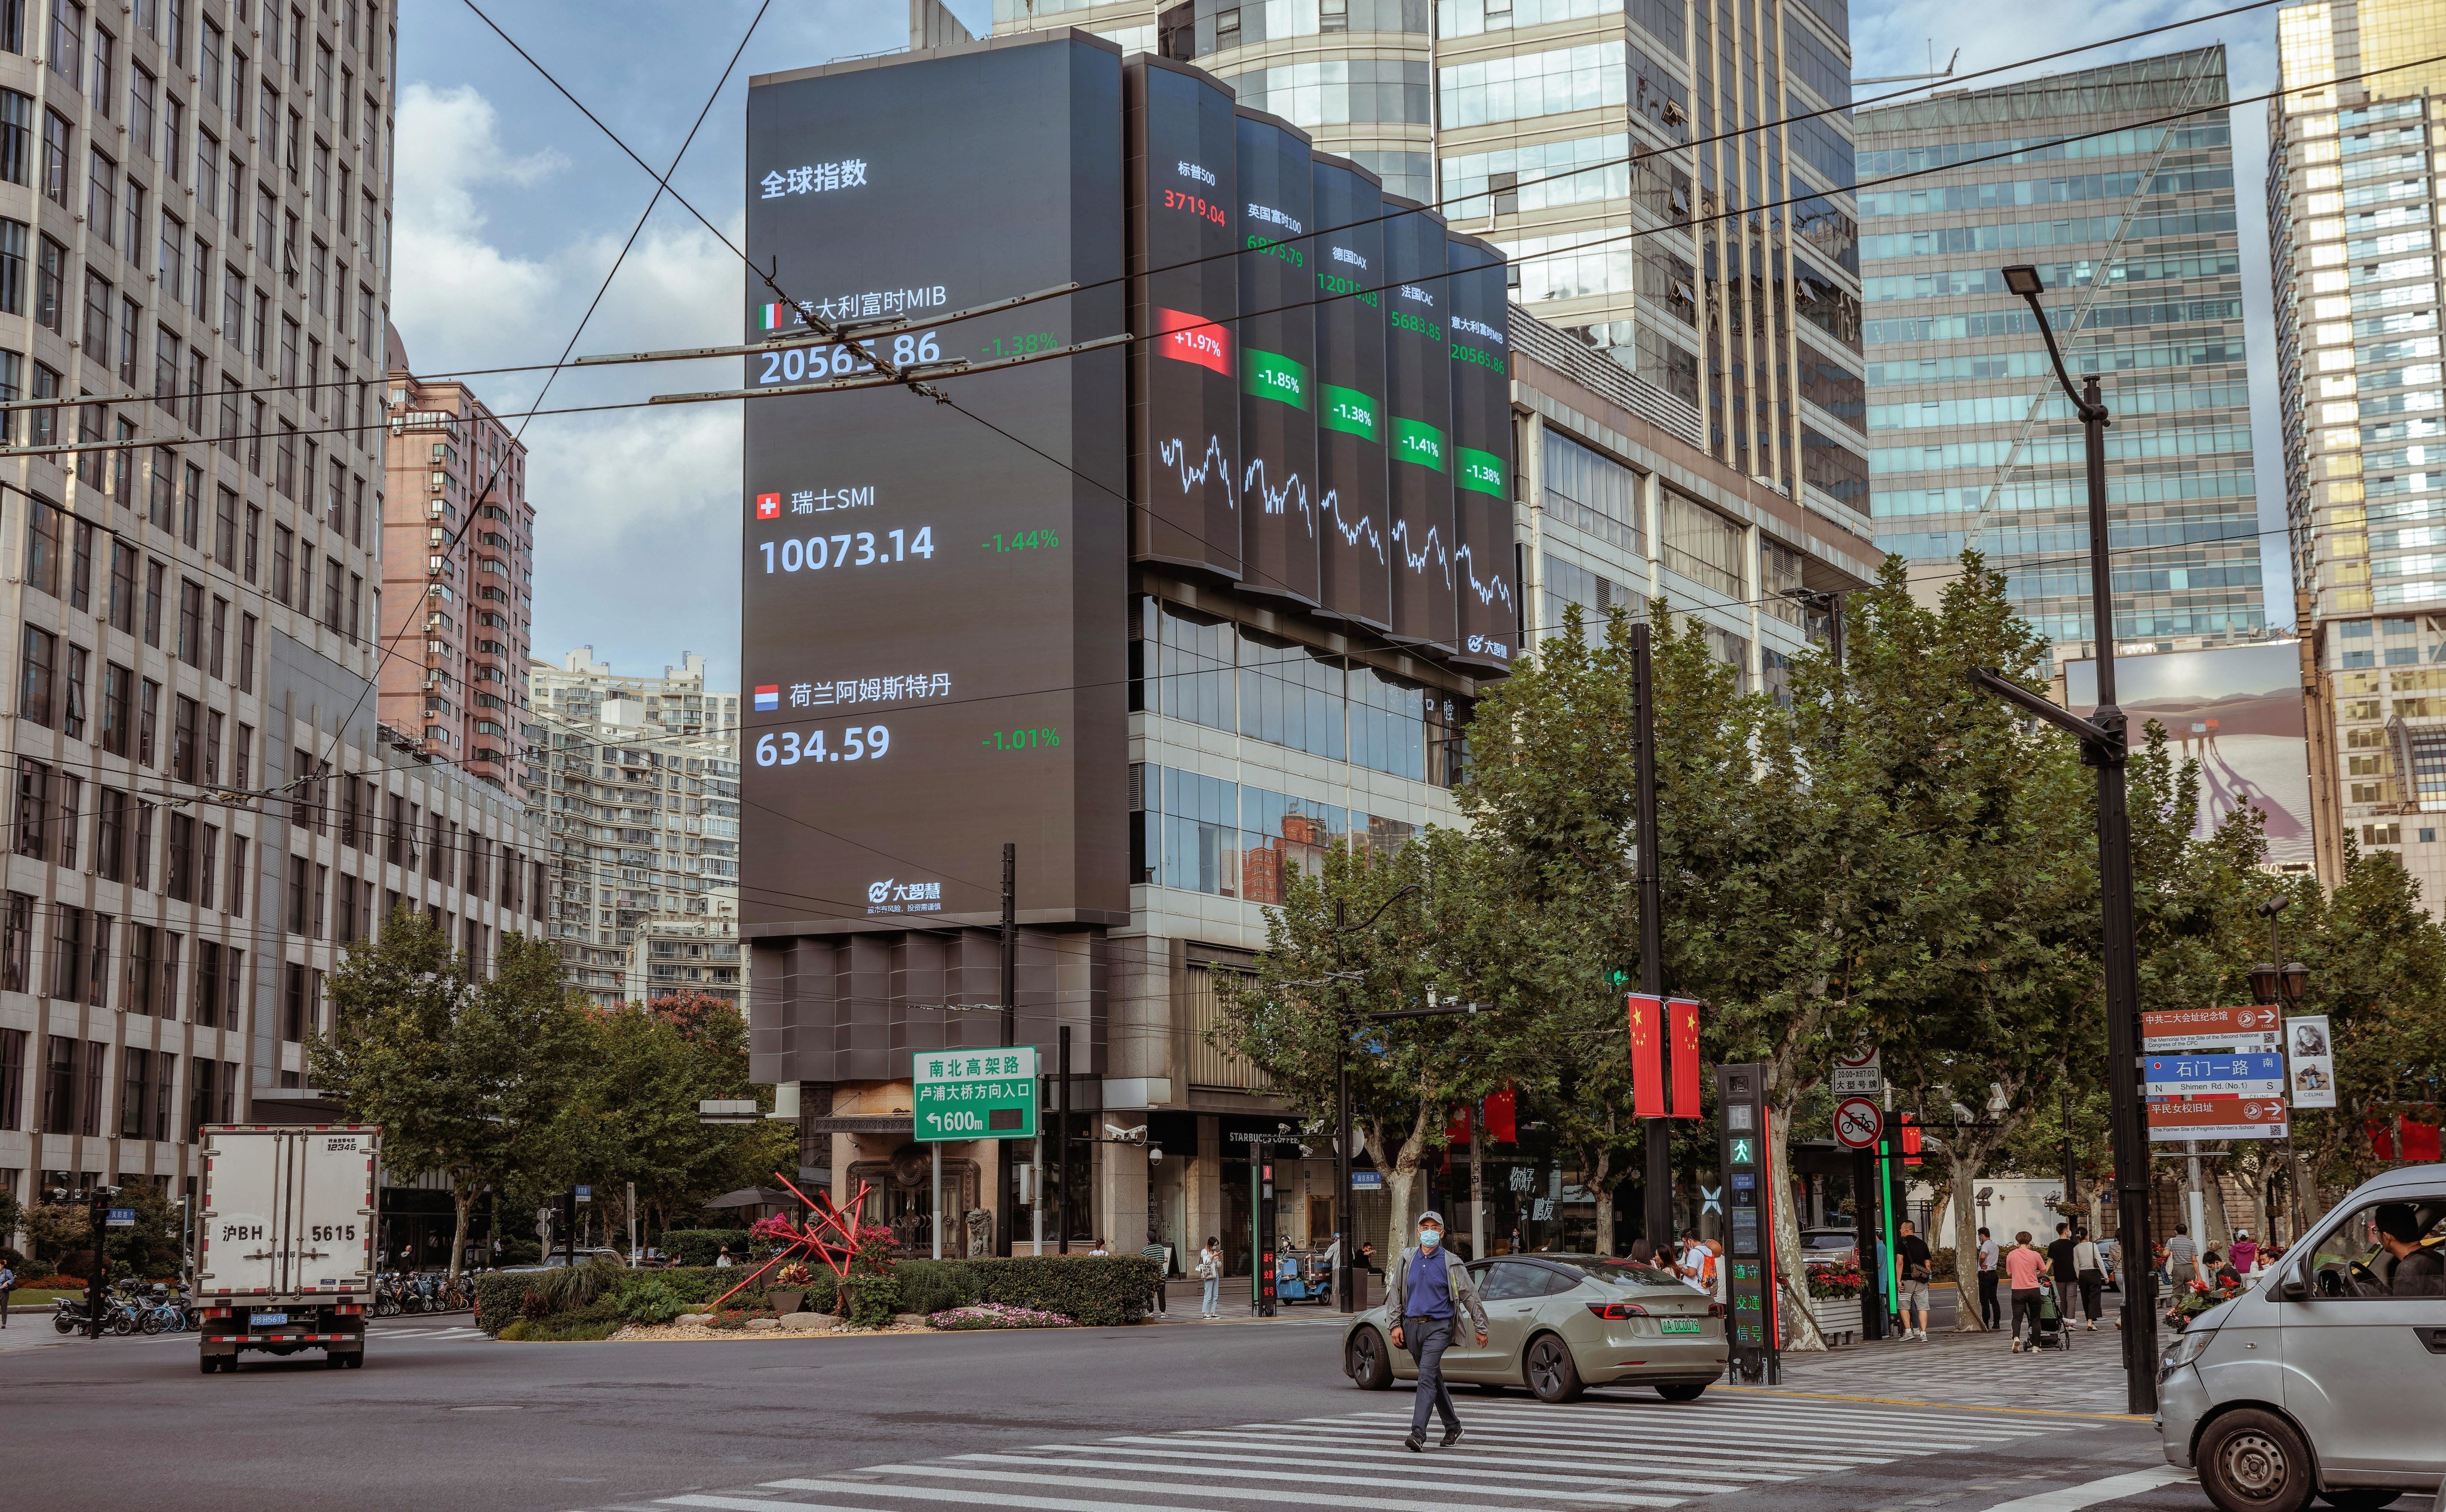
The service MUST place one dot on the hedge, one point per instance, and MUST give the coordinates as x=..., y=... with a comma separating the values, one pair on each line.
x=1089, y=1290
x=698, y=1246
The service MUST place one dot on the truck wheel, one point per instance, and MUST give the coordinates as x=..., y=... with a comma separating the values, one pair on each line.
x=356, y=1361
x=2254, y=1461
x=1366, y=1363
x=207, y=1366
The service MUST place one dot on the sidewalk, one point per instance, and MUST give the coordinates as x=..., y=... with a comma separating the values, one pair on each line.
x=1972, y=1370
x=1181, y=1299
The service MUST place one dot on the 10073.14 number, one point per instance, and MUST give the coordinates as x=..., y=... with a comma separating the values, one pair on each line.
x=857, y=743
x=858, y=548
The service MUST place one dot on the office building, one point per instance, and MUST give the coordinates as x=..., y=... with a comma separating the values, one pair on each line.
x=458, y=577
x=194, y=221
x=1520, y=119
x=639, y=779
x=2131, y=227
x=2353, y=217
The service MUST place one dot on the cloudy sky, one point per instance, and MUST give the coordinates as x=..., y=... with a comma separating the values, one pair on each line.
x=512, y=207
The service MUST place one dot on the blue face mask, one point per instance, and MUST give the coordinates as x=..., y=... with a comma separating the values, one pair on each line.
x=1430, y=1237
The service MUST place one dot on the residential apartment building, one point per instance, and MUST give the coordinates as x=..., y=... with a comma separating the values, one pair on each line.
x=2131, y=227
x=195, y=200
x=1722, y=273
x=458, y=577
x=639, y=778
x=2353, y=217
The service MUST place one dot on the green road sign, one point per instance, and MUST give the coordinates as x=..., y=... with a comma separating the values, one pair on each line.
x=975, y=1093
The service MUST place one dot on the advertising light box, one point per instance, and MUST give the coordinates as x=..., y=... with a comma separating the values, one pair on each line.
x=1484, y=569
x=1419, y=441
x=931, y=615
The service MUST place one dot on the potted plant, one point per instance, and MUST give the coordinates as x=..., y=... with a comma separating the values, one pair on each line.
x=789, y=1289
x=1835, y=1299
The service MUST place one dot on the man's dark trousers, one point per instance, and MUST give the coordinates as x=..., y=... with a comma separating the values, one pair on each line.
x=1988, y=1313
x=1427, y=1338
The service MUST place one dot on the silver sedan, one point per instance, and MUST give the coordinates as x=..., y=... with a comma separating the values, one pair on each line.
x=1560, y=1323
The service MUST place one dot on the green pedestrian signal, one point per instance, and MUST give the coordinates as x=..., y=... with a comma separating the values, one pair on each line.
x=1741, y=1152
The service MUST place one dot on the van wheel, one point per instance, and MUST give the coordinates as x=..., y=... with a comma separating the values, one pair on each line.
x=2254, y=1461
x=2357, y=1497
x=1367, y=1362
x=1681, y=1391
x=1553, y=1374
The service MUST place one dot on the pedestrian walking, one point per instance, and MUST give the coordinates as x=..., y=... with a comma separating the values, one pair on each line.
x=2091, y=1272
x=1427, y=1284
x=7, y=1284
x=1332, y=1263
x=1989, y=1254
x=2182, y=1257
x=1919, y=1267
x=1209, y=1272
x=2061, y=1269
x=2244, y=1252
x=2026, y=1270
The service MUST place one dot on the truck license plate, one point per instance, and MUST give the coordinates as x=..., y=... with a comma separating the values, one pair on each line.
x=1681, y=1325
x=270, y=1319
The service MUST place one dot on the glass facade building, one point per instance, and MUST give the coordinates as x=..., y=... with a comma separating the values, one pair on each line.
x=1723, y=275
x=2131, y=227
x=2352, y=217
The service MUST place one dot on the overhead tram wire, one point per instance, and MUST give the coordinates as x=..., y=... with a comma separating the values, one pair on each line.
x=1558, y=175
x=492, y=482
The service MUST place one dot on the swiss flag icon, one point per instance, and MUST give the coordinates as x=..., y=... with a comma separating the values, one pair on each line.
x=768, y=506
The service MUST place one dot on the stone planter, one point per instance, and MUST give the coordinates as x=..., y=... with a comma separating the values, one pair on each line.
x=784, y=1302
x=1839, y=1319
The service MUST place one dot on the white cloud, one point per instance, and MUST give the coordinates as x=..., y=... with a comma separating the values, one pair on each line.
x=451, y=288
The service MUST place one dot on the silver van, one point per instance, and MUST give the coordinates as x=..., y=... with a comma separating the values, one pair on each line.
x=2326, y=1378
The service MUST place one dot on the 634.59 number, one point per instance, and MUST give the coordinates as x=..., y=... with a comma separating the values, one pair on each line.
x=857, y=743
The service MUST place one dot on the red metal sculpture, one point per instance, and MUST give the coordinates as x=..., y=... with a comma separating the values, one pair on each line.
x=830, y=1234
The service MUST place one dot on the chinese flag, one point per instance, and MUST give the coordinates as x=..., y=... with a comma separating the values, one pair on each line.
x=1682, y=1021
x=2419, y=1139
x=1502, y=1114
x=1647, y=1056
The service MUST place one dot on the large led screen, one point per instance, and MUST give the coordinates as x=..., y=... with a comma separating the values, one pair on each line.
x=932, y=619
x=1356, y=579
x=1185, y=303
x=1278, y=526
x=1483, y=563
x=1418, y=371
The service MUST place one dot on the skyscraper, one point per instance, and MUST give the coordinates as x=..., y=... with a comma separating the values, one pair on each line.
x=1522, y=119
x=2132, y=232
x=2352, y=216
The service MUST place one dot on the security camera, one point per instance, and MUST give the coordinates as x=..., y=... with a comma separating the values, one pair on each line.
x=1154, y=1154
x=1126, y=1137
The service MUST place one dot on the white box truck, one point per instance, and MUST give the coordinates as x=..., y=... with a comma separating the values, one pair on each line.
x=284, y=1243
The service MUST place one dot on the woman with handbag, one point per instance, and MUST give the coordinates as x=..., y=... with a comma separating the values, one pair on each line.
x=2090, y=1272
x=1210, y=1270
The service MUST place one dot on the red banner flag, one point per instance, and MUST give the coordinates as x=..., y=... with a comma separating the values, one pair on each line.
x=1647, y=1056
x=2419, y=1139
x=1502, y=1111
x=1682, y=1019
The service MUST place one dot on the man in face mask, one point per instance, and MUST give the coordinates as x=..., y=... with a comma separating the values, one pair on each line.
x=1426, y=1284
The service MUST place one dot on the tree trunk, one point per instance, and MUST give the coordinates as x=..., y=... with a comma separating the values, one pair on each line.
x=1791, y=1274
x=1477, y=1182
x=1598, y=1171
x=462, y=1199
x=1962, y=1181
x=1400, y=1175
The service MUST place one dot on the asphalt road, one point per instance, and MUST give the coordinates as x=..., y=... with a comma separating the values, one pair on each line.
x=1228, y=1415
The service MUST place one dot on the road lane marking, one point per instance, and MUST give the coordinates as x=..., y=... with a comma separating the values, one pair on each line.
x=1439, y=1468
x=2113, y=1489
x=1506, y=1464
x=1053, y=1503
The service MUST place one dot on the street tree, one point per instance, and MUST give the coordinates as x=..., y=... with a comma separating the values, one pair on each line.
x=470, y=1078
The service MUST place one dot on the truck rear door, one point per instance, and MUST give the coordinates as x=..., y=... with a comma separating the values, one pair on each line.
x=334, y=1237
x=239, y=1253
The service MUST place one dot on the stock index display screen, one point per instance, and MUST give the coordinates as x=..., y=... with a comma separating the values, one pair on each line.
x=1355, y=572
x=1278, y=526
x=932, y=618
x=1419, y=382
x=1185, y=305
x=1484, y=567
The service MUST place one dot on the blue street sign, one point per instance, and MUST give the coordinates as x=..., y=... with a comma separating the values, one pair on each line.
x=120, y=1217
x=2249, y=1074
x=586, y=1194
x=1367, y=1181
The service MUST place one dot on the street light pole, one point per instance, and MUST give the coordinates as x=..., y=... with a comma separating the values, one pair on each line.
x=1657, y=1137
x=2105, y=747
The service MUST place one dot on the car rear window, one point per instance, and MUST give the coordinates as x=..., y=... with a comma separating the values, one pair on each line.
x=1831, y=1241
x=1622, y=1273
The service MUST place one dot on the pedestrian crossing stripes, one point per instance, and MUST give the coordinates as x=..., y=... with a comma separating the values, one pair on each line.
x=1515, y=1456
x=445, y=1331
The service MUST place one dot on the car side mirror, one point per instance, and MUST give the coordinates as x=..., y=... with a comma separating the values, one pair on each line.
x=2291, y=1286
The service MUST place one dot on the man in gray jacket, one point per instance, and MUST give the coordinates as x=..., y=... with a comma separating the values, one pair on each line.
x=1427, y=1285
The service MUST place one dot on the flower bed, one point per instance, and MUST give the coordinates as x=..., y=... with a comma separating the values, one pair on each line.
x=995, y=1315
x=1834, y=1282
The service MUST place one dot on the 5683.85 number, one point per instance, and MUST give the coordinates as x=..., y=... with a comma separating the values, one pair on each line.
x=857, y=743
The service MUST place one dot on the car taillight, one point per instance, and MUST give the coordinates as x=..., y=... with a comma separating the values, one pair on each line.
x=1617, y=1312
x=1719, y=1310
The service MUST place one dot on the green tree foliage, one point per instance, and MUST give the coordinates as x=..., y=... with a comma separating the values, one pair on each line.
x=473, y=1079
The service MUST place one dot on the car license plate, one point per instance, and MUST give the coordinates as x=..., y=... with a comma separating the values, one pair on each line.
x=269, y=1319
x=1681, y=1325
